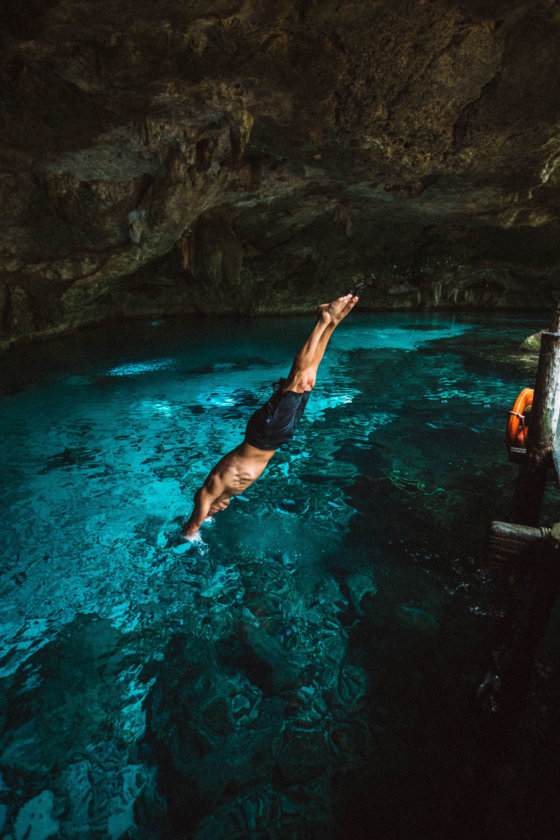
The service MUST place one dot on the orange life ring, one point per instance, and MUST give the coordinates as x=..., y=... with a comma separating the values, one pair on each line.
x=516, y=432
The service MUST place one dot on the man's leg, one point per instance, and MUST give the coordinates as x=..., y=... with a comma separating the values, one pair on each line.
x=304, y=369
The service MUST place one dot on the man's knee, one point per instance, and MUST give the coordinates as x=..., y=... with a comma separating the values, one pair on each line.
x=310, y=382
x=306, y=380
x=299, y=382
x=301, y=378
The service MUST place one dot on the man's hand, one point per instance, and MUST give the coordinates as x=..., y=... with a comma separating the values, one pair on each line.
x=190, y=530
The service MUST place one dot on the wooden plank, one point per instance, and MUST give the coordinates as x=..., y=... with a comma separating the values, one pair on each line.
x=510, y=542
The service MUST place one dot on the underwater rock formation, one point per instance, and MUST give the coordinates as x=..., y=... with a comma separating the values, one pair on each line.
x=256, y=708
x=213, y=156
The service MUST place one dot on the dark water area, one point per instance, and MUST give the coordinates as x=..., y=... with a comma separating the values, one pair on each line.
x=309, y=668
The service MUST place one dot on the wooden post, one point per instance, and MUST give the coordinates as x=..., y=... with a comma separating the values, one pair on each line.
x=530, y=625
x=503, y=691
x=546, y=399
x=542, y=429
x=536, y=554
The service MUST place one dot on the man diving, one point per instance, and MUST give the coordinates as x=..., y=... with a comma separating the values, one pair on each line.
x=271, y=425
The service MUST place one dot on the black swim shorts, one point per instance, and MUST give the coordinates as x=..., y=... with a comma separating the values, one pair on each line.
x=275, y=422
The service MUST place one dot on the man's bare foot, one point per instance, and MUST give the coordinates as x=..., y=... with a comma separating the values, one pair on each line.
x=338, y=309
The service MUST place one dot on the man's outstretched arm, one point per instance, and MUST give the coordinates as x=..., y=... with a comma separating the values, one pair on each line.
x=202, y=504
x=203, y=501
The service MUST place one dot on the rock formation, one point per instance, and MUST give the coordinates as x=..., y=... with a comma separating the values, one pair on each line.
x=237, y=156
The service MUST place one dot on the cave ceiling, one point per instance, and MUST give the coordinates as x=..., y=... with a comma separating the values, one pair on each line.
x=257, y=156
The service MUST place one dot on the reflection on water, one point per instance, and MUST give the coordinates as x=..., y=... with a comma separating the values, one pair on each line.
x=306, y=669
x=137, y=368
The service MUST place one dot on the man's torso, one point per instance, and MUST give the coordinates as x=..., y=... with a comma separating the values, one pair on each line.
x=235, y=473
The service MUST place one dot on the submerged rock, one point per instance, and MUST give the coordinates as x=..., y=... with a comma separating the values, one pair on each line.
x=35, y=819
x=417, y=617
x=254, y=718
x=360, y=585
x=532, y=343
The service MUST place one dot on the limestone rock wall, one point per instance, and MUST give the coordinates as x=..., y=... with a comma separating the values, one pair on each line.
x=258, y=156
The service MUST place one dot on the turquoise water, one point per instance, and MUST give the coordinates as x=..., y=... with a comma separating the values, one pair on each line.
x=307, y=670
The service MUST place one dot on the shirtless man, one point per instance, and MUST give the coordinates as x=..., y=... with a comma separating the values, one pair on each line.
x=271, y=425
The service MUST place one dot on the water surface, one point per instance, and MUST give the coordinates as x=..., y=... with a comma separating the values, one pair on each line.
x=307, y=669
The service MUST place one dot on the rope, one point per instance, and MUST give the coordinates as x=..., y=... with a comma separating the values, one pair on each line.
x=521, y=417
